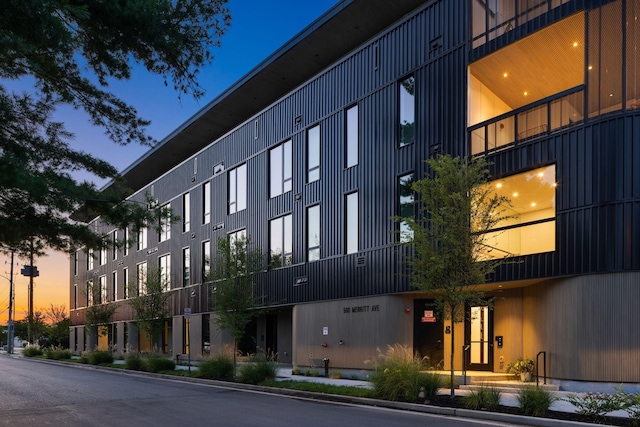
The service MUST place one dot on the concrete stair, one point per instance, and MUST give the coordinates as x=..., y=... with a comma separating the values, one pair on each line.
x=505, y=385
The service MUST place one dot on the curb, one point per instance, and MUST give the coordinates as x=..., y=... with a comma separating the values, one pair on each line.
x=363, y=401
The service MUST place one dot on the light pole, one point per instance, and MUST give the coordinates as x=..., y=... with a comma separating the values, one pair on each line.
x=10, y=321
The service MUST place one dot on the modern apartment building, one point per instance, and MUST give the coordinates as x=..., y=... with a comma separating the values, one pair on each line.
x=311, y=153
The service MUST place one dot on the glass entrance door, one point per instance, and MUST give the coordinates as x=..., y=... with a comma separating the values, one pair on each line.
x=479, y=338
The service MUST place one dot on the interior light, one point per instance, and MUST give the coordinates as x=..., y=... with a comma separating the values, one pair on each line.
x=499, y=185
x=555, y=184
x=533, y=204
x=590, y=67
x=540, y=174
x=515, y=194
x=505, y=75
x=575, y=44
x=526, y=93
x=610, y=94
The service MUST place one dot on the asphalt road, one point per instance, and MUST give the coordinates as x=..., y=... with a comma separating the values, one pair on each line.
x=33, y=393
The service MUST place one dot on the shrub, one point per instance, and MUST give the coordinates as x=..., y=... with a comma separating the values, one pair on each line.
x=535, y=401
x=57, y=353
x=336, y=375
x=219, y=367
x=296, y=371
x=596, y=405
x=483, y=398
x=630, y=403
x=32, y=350
x=99, y=357
x=397, y=375
x=134, y=362
x=159, y=363
x=257, y=370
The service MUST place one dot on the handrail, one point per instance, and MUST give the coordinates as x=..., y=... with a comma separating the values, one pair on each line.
x=465, y=348
x=544, y=367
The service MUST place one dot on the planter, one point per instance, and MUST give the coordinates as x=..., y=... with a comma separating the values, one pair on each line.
x=525, y=377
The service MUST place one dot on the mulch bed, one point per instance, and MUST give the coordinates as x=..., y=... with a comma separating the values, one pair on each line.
x=458, y=402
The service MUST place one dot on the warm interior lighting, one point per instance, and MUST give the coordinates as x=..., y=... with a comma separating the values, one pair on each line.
x=526, y=93
x=575, y=44
x=499, y=185
x=533, y=204
x=590, y=67
x=515, y=194
x=541, y=174
x=505, y=75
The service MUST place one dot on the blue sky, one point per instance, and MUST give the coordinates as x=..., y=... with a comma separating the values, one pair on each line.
x=258, y=28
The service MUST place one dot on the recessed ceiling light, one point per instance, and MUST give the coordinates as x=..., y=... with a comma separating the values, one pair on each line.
x=504, y=75
x=515, y=194
x=575, y=44
x=540, y=174
x=525, y=93
x=555, y=184
x=499, y=185
x=533, y=204
x=590, y=67
x=610, y=94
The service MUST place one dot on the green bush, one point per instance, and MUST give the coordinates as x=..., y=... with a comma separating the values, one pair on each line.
x=99, y=357
x=159, y=363
x=398, y=376
x=483, y=398
x=218, y=367
x=535, y=401
x=630, y=403
x=32, y=351
x=134, y=362
x=257, y=370
x=596, y=405
x=57, y=353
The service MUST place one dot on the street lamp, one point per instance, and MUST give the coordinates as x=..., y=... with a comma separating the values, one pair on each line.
x=10, y=321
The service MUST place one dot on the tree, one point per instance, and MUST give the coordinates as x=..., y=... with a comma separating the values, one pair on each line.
x=233, y=288
x=98, y=315
x=59, y=323
x=455, y=210
x=72, y=51
x=149, y=299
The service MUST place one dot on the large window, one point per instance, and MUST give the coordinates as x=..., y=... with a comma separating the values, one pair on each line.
x=313, y=154
x=313, y=233
x=186, y=266
x=281, y=169
x=206, y=261
x=407, y=111
x=186, y=212
x=90, y=259
x=102, y=255
x=125, y=282
x=165, y=271
x=351, y=222
x=352, y=136
x=142, y=238
x=165, y=223
x=281, y=241
x=238, y=189
x=90, y=293
x=405, y=206
x=102, y=291
x=141, y=279
x=206, y=203
x=235, y=235
x=529, y=226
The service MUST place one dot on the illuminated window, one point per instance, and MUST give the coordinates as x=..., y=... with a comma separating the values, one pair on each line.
x=530, y=223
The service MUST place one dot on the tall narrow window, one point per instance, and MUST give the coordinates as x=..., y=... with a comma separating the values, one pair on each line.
x=165, y=271
x=313, y=233
x=125, y=283
x=206, y=203
x=75, y=296
x=186, y=212
x=186, y=267
x=165, y=223
x=238, y=189
x=352, y=136
x=89, y=293
x=141, y=278
x=313, y=154
x=114, y=285
x=125, y=248
x=102, y=292
x=90, y=259
x=351, y=222
x=102, y=255
x=281, y=241
x=114, y=245
x=206, y=261
x=407, y=107
x=75, y=263
x=142, y=238
x=405, y=206
x=280, y=169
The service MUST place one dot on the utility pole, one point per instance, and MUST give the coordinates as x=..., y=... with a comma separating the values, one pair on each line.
x=31, y=295
x=10, y=326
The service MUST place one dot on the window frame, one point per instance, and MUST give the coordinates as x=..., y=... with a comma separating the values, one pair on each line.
x=314, y=149
x=281, y=173
x=401, y=111
x=352, y=136
x=237, y=197
x=318, y=247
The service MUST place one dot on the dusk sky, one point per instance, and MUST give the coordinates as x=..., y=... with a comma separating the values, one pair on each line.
x=258, y=28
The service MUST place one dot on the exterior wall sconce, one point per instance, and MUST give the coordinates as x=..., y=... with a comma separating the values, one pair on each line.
x=340, y=342
x=324, y=344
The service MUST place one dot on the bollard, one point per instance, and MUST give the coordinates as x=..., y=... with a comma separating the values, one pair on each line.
x=326, y=367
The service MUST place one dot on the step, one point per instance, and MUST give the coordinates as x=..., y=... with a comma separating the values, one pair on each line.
x=507, y=386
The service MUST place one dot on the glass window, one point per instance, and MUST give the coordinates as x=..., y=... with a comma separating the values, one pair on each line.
x=165, y=271
x=406, y=99
x=90, y=259
x=313, y=154
x=142, y=238
x=313, y=233
x=102, y=292
x=186, y=266
x=125, y=248
x=114, y=245
x=125, y=282
x=405, y=206
x=281, y=241
x=206, y=261
x=240, y=234
x=102, y=255
x=75, y=263
x=206, y=203
x=165, y=223
x=114, y=285
x=141, y=278
x=238, y=189
x=75, y=296
x=529, y=224
x=186, y=212
x=89, y=293
x=352, y=136
x=633, y=54
x=280, y=178
x=351, y=222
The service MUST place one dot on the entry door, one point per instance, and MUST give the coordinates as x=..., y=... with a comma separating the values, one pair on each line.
x=479, y=338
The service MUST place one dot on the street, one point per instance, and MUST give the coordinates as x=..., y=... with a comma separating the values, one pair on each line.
x=35, y=393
